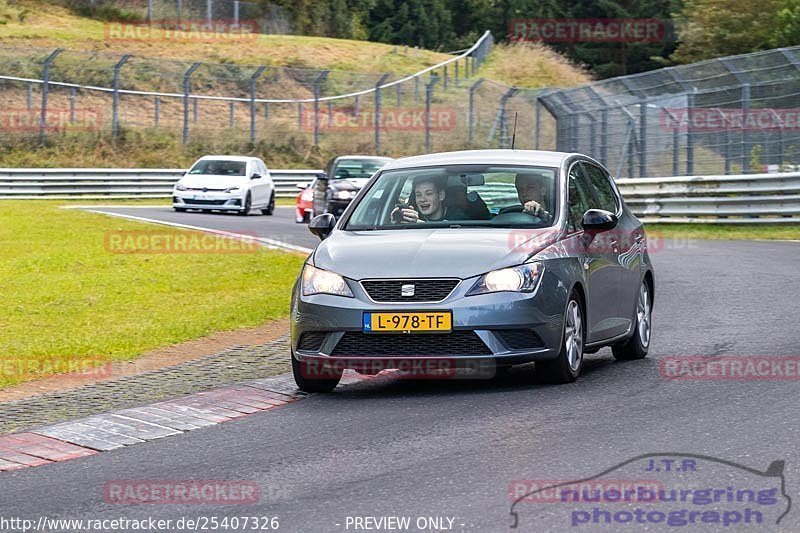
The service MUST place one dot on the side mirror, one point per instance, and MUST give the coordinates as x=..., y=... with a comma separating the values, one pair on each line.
x=301, y=186
x=255, y=177
x=322, y=225
x=599, y=220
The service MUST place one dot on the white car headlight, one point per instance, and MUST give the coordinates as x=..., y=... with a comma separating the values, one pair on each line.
x=318, y=281
x=522, y=278
x=344, y=195
x=181, y=187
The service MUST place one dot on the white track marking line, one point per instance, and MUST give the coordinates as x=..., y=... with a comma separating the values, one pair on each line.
x=269, y=243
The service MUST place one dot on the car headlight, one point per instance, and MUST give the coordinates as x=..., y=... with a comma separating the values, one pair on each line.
x=344, y=195
x=231, y=190
x=522, y=278
x=181, y=187
x=318, y=281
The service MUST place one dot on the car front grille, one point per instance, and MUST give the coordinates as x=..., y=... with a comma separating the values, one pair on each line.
x=425, y=290
x=519, y=339
x=204, y=202
x=459, y=342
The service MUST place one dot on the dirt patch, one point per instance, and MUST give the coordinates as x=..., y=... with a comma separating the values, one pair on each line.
x=153, y=360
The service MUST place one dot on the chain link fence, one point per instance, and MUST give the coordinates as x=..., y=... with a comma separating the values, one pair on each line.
x=47, y=93
x=731, y=115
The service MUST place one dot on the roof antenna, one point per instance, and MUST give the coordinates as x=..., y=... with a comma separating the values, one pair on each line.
x=514, y=134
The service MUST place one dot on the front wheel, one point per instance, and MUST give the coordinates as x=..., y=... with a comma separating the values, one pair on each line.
x=270, y=207
x=567, y=366
x=638, y=344
x=179, y=209
x=314, y=377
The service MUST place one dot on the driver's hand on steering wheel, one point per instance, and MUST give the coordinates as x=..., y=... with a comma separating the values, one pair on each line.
x=534, y=208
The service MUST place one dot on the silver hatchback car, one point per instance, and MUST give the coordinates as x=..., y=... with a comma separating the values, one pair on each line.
x=474, y=260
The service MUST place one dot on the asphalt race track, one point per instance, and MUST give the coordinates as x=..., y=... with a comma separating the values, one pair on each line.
x=453, y=448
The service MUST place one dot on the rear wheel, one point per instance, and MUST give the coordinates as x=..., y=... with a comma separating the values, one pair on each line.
x=638, y=344
x=270, y=207
x=248, y=203
x=314, y=377
x=567, y=366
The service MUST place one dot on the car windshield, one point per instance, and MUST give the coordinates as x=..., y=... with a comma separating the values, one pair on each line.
x=356, y=168
x=219, y=167
x=460, y=196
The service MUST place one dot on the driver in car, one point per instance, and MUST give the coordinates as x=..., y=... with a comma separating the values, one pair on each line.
x=532, y=192
x=429, y=197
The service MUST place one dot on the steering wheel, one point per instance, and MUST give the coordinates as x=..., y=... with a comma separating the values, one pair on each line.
x=517, y=217
x=511, y=209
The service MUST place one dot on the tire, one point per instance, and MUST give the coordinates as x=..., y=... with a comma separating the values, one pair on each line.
x=567, y=366
x=270, y=207
x=179, y=209
x=248, y=202
x=305, y=383
x=638, y=344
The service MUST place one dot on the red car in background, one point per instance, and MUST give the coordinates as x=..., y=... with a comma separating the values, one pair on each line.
x=304, y=203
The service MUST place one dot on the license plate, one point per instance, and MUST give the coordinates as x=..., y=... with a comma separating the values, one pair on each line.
x=426, y=322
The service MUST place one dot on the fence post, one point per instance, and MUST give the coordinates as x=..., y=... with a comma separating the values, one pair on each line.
x=745, y=132
x=428, y=99
x=231, y=121
x=45, y=82
x=115, y=99
x=209, y=10
x=604, y=136
x=445, y=77
x=377, y=117
x=29, y=96
x=320, y=79
x=180, y=10
x=357, y=106
x=592, y=135
x=330, y=114
x=266, y=110
x=156, y=103
x=186, y=91
x=253, y=79
x=149, y=11
x=471, y=117
x=72, y=94
x=690, y=135
x=416, y=88
x=299, y=116
x=399, y=91
x=236, y=12
x=642, y=137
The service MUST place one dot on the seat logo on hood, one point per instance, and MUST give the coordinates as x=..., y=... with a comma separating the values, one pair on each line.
x=407, y=290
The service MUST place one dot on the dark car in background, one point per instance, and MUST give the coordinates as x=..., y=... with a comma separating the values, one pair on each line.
x=343, y=178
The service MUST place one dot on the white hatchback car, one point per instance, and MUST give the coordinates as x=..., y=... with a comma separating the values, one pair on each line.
x=226, y=183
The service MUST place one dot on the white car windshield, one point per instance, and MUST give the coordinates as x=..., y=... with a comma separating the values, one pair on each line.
x=219, y=167
x=356, y=168
x=463, y=195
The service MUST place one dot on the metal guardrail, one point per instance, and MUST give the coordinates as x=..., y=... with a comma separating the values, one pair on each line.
x=750, y=198
x=98, y=183
x=742, y=199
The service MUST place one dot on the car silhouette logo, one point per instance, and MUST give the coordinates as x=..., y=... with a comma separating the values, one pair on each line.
x=407, y=290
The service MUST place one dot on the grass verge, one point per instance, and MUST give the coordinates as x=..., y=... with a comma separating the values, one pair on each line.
x=726, y=231
x=70, y=301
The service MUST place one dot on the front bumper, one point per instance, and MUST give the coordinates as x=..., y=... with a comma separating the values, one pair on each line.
x=207, y=200
x=506, y=328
